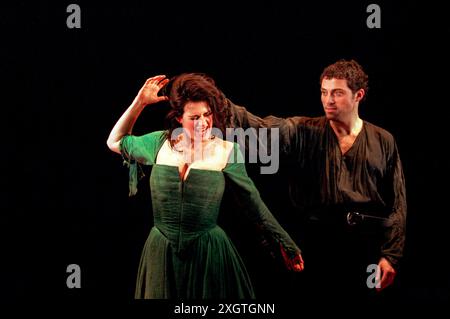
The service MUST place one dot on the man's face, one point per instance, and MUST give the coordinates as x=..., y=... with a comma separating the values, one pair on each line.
x=339, y=102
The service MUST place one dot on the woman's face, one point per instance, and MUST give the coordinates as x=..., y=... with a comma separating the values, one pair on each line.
x=197, y=120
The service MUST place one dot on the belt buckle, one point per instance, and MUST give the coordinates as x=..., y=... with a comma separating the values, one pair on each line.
x=353, y=218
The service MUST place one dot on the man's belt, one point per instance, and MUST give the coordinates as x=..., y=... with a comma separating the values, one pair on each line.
x=355, y=218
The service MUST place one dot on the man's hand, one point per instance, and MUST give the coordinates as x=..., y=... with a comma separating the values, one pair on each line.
x=387, y=274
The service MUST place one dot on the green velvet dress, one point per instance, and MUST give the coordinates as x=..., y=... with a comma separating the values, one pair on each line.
x=187, y=255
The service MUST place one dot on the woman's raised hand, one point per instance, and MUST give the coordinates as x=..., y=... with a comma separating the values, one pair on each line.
x=148, y=94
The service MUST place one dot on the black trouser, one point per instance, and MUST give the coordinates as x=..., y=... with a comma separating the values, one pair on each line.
x=336, y=257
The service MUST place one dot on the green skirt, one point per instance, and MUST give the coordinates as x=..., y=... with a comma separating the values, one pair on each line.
x=209, y=268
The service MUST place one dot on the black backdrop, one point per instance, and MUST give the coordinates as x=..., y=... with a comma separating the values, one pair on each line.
x=64, y=197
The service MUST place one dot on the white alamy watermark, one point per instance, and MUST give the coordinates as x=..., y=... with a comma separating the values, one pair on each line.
x=373, y=280
x=374, y=19
x=257, y=145
x=74, y=279
x=73, y=21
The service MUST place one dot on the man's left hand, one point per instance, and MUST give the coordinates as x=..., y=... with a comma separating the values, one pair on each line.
x=387, y=274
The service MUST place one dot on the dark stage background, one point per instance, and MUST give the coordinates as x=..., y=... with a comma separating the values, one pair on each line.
x=64, y=198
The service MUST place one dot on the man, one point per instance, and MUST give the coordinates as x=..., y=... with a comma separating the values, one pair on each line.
x=346, y=185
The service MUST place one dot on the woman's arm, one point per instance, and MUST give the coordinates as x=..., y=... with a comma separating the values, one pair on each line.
x=257, y=211
x=148, y=94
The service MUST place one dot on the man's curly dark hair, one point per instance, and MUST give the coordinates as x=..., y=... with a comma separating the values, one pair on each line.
x=350, y=71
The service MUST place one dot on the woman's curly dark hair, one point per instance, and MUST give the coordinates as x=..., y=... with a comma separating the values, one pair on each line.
x=195, y=87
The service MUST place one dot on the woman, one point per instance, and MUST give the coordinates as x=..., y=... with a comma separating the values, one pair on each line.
x=187, y=255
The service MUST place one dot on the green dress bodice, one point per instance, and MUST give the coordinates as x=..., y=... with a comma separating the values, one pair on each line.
x=187, y=255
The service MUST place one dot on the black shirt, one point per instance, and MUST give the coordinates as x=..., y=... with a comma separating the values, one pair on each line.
x=368, y=178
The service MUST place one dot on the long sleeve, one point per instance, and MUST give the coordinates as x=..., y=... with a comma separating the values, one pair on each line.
x=138, y=150
x=255, y=208
x=393, y=246
x=287, y=129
